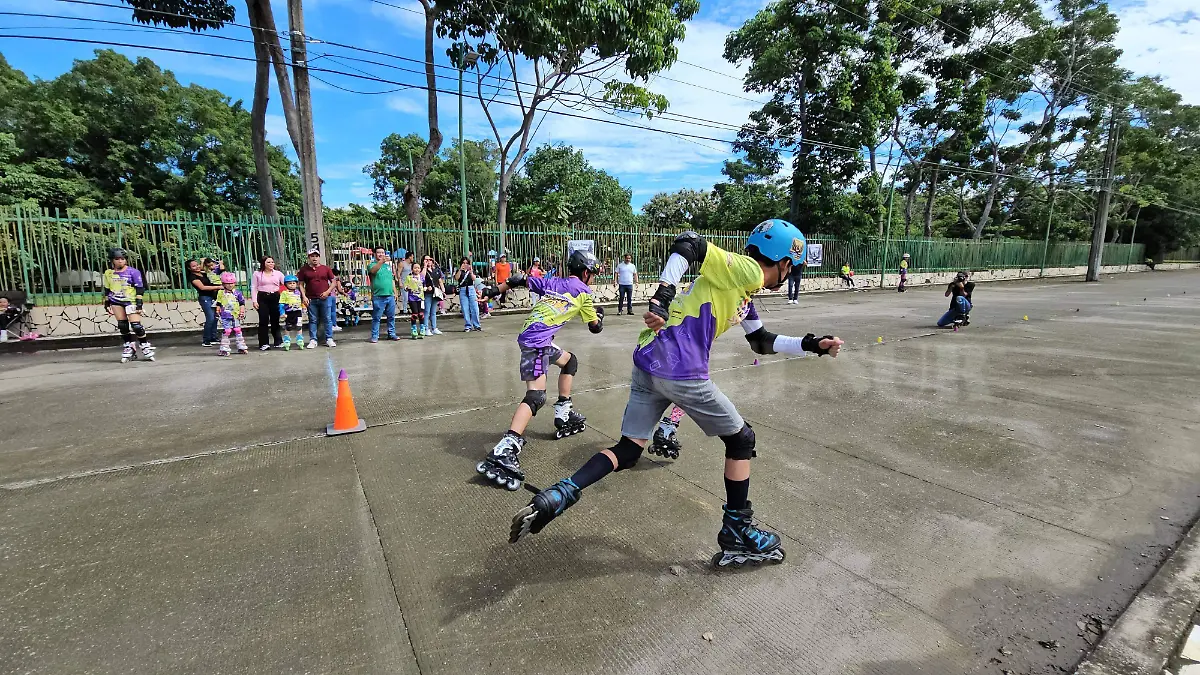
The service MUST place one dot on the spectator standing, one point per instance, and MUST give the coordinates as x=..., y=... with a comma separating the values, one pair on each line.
x=467, y=298
x=206, y=295
x=627, y=276
x=795, y=278
x=265, y=286
x=383, y=294
x=317, y=284
x=903, y=274
x=434, y=289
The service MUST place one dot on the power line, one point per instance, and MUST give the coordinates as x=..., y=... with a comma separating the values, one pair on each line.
x=668, y=116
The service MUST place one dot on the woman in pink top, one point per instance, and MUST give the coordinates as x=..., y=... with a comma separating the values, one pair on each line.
x=265, y=285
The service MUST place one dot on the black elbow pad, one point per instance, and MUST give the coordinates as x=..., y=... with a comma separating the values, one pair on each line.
x=761, y=341
x=691, y=246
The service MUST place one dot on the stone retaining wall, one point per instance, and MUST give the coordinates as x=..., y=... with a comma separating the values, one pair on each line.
x=83, y=320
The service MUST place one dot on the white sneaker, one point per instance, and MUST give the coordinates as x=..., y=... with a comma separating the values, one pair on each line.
x=312, y=344
x=437, y=332
x=330, y=343
x=336, y=328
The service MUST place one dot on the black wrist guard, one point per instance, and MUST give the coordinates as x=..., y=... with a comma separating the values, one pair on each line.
x=761, y=341
x=812, y=343
x=660, y=302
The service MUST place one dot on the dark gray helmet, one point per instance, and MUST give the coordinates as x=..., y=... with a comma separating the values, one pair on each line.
x=117, y=252
x=580, y=261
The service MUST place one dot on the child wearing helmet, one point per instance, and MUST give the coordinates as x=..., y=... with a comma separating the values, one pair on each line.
x=231, y=309
x=560, y=300
x=291, y=303
x=902, y=286
x=671, y=366
x=124, y=288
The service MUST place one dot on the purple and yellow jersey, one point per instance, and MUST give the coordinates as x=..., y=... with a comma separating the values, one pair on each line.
x=121, y=287
x=290, y=300
x=718, y=300
x=561, y=300
x=231, y=303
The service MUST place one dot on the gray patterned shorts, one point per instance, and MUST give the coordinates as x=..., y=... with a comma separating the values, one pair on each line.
x=535, y=361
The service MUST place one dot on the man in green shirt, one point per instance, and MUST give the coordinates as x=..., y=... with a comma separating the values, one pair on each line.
x=383, y=294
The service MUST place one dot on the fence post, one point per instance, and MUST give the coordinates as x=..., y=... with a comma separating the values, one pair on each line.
x=21, y=253
x=1046, y=245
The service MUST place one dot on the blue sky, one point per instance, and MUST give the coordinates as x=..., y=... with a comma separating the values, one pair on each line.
x=1159, y=37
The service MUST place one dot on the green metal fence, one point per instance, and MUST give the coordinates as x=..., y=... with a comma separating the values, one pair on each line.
x=1188, y=255
x=60, y=257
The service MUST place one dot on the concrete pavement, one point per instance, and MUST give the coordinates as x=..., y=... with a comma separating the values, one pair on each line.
x=948, y=500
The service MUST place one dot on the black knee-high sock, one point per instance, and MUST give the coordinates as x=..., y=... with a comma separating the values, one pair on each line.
x=596, y=468
x=737, y=493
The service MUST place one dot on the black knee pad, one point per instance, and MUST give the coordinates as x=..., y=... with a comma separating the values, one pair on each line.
x=741, y=444
x=123, y=326
x=138, y=330
x=535, y=399
x=627, y=453
x=571, y=366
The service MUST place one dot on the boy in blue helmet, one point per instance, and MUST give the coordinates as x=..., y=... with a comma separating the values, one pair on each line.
x=291, y=304
x=671, y=366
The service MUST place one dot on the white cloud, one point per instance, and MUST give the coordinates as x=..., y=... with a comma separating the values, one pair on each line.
x=410, y=20
x=408, y=103
x=277, y=130
x=1162, y=37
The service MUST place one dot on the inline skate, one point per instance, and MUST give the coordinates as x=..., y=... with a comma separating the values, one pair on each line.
x=128, y=353
x=502, y=465
x=666, y=442
x=742, y=541
x=544, y=507
x=147, y=351
x=567, y=422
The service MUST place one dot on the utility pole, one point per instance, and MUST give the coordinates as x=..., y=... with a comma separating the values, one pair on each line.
x=314, y=215
x=1100, y=224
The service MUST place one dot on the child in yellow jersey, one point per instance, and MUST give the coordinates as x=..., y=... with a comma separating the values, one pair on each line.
x=291, y=303
x=902, y=286
x=560, y=300
x=671, y=366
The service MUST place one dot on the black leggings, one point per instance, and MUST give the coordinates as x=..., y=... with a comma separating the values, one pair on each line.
x=268, y=319
x=416, y=312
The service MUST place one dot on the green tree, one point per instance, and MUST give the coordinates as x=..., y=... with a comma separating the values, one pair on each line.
x=559, y=187
x=685, y=209
x=571, y=48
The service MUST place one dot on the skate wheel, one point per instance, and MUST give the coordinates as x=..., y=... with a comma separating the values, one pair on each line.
x=512, y=485
x=481, y=467
x=558, y=433
x=491, y=474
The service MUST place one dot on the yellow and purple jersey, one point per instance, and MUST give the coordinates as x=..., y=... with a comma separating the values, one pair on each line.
x=561, y=300
x=230, y=302
x=718, y=300
x=121, y=287
x=290, y=300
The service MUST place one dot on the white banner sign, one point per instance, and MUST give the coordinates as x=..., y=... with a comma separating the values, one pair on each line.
x=816, y=255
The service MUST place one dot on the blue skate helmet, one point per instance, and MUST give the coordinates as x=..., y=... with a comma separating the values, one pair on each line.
x=290, y=278
x=778, y=239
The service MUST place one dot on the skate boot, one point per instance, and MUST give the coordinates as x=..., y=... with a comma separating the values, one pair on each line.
x=544, y=507
x=147, y=351
x=241, y=345
x=413, y=333
x=966, y=320
x=287, y=343
x=666, y=443
x=501, y=465
x=127, y=353
x=742, y=542
x=567, y=422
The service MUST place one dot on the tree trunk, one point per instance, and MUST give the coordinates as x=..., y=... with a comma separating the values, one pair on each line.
x=929, y=202
x=977, y=232
x=909, y=197
x=412, y=190
x=801, y=161
x=262, y=23
x=258, y=136
x=314, y=216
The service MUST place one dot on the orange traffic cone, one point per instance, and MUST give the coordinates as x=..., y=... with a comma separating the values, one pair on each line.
x=345, y=417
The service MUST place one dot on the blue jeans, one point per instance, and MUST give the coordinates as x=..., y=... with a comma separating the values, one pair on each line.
x=470, y=307
x=381, y=305
x=320, y=312
x=430, y=313
x=793, y=287
x=624, y=295
x=210, y=318
x=960, y=308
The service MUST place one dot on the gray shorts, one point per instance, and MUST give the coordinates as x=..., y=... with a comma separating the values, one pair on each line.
x=649, y=397
x=535, y=361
